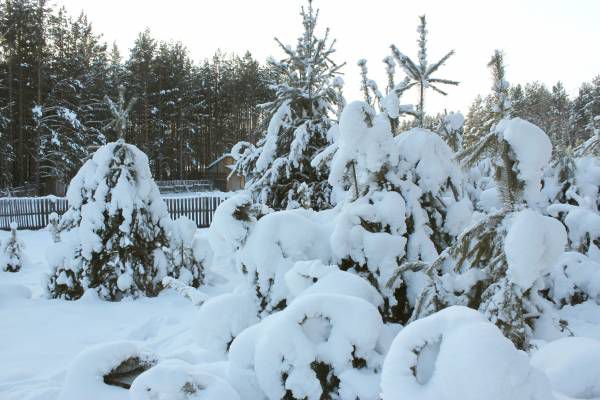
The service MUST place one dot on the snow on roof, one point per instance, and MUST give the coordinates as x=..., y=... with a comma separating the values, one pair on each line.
x=218, y=160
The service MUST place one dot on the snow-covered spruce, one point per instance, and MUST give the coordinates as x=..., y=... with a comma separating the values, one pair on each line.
x=498, y=263
x=457, y=354
x=121, y=227
x=421, y=73
x=54, y=226
x=278, y=170
x=13, y=258
x=231, y=225
x=451, y=129
x=315, y=349
x=401, y=202
x=186, y=258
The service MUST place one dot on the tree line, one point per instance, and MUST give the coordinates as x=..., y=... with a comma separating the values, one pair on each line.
x=568, y=121
x=56, y=72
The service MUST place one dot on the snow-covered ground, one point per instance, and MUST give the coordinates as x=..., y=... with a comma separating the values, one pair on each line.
x=40, y=337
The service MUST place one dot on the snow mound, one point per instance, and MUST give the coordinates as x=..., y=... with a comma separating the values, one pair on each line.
x=277, y=241
x=177, y=380
x=310, y=277
x=533, y=244
x=315, y=344
x=86, y=376
x=221, y=318
x=457, y=354
x=573, y=366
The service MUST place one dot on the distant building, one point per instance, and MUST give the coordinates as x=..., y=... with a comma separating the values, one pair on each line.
x=219, y=173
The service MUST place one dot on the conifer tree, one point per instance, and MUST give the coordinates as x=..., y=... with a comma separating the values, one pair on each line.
x=13, y=256
x=121, y=223
x=481, y=250
x=421, y=73
x=278, y=170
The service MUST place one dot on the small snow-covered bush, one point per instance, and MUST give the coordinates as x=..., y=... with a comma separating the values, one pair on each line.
x=13, y=257
x=311, y=277
x=574, y=279
x=315, y=349
x=572, y=365
x=121, y=227
x=231, y=225
x=54, y=226
x=276, y=242
x=457, y=354
x=220, y=319
x=105, y=371
x=187, y=267
x=177, y=380
x=583, y=227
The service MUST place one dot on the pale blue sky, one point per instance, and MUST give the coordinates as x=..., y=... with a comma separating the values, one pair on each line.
x=545, y=40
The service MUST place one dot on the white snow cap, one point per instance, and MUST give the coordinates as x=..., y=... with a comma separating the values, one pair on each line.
x=533, y=245
x=457, y=354
x=532, y=149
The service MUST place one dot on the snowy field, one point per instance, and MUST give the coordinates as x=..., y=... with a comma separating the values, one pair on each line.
x=40, y=338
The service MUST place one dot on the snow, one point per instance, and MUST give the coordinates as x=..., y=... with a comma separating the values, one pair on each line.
x=457, y=354
x=85, y=373
x=277, y=241
x=312, y=304
x=532, y=149
x=572, y=365
x=430, y=158
x=178, y=380
x=313, y=328
x=532, y=245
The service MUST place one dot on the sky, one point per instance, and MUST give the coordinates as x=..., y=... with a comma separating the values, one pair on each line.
x=543, y=40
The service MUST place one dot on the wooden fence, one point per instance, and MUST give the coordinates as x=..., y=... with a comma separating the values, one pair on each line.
x=33, y=212
x=199, y=209
x=30, y=212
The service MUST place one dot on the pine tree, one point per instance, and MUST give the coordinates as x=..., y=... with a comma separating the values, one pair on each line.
x=589, y=114
x=121, y=223
x=13, y=256
x=187, y=269
x=420, y=73
x=481, y=249
x=559, y=118
x=279, y=171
